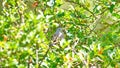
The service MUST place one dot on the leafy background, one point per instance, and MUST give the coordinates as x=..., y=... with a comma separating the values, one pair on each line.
x=91, y=29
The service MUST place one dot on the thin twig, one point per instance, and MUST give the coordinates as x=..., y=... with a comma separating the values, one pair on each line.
x=82, y=5
x=37, y=59
x=103, y=11
x=44, y=55
x=97, y=21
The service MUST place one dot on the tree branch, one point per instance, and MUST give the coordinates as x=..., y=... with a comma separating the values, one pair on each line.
x=97, y=21
x=50, y=45
x=82, y=5
x=37, y=59
x=44, y=56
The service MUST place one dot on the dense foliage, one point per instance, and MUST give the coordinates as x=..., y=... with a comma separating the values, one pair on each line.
x=91, y=33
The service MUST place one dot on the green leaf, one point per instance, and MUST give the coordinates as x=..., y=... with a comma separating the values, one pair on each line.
x=111, y=8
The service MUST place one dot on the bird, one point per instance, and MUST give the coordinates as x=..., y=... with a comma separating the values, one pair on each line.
x=57, y=36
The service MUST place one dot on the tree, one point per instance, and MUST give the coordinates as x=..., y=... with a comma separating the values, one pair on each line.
x=91, y=33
